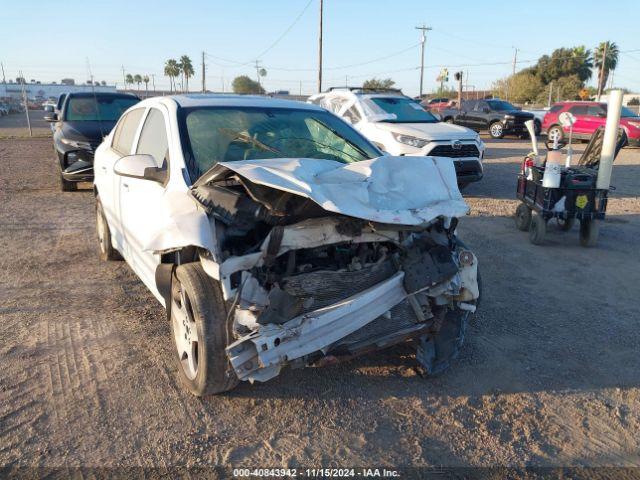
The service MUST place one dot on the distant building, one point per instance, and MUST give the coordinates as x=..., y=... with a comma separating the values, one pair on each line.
x=44, y=91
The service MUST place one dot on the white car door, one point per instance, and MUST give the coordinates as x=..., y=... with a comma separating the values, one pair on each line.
x=107, y=182
x=141, y=200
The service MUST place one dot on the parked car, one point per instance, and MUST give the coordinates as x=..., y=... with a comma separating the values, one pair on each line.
x=79, y=128
x=538, y=118
x=436, y=104
x=277, y=235
x=589, y=116
x=399, y=125
x=498, y=117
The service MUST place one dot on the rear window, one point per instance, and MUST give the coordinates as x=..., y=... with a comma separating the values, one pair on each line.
x=97, y=108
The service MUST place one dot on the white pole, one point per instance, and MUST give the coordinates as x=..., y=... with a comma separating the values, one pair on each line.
x=610, y=139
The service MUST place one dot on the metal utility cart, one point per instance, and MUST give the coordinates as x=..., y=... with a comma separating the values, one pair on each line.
x=576, y=198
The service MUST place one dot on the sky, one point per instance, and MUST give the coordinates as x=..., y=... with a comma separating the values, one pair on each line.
x=48, y=40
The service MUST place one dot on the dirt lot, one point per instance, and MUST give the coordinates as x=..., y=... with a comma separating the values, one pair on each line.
x=550, y=374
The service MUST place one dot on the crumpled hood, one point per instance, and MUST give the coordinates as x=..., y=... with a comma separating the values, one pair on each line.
x=385, y=189
x=430, y=131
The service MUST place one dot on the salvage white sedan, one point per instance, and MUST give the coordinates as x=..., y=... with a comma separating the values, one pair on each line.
x=275, y=234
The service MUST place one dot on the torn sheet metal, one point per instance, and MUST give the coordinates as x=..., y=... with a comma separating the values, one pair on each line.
x=393, y=190
x=260, y=357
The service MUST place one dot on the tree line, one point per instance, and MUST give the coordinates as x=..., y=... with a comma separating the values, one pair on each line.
x=563, y=74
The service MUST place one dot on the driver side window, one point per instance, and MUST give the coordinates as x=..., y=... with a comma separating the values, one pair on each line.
x=153, y=138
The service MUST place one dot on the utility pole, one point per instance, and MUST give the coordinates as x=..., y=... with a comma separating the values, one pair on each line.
x=550, y=93
x=4, y=80
x=258, y=71
x=423, y=38
x=513, y=72
x=204, y=86
x=320, y=50
x=124, y=79
x=153, y=80
x=26, y=105
x=601, y=76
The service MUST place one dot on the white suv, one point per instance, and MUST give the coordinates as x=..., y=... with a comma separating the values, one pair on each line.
x=275, y=234
x=401, y=126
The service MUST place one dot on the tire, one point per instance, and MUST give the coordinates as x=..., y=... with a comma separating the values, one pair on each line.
x=554, y=131
x=67, y=186
x=523, y=217
x=496, y=130
x=589, y=231
x=537, y=229
x=565, y=224
x=199, y=316
x=107, y=252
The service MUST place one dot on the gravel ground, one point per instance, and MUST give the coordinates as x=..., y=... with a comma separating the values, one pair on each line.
x=550, y=373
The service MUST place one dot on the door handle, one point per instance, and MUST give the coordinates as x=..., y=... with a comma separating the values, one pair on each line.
x=125, y=187
x=103, y=168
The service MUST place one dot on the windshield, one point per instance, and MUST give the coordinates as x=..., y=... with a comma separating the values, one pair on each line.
x=500, y=105
x=109, y=109
x=229, y=134
x=402, y=110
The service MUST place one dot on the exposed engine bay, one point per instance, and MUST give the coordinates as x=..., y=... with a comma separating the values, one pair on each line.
x=306, y=284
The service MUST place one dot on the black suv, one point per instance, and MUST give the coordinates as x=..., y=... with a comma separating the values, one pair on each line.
x=80, y=125
x=497, y=116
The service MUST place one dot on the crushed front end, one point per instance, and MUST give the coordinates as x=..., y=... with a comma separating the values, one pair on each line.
x=308, y=285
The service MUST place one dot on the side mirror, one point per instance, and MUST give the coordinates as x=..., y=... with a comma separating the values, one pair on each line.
x=48, y=108
x=52, y=117
x=140, y=166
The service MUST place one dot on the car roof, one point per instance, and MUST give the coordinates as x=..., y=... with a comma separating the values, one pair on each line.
x=101, y=94
x=233, y=100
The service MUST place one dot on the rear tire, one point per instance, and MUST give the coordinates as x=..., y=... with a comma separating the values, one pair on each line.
x=201, y=332
x=496, y=130
x=523, y=217
x=67, y=186
x=589, y=231
x=537, y=229
x=107, y=252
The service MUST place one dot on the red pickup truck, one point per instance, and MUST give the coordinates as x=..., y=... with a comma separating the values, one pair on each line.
x=589, y=116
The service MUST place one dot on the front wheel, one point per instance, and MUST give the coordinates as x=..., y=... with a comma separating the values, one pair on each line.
x=496, y=130
x=67, y=186
x=537, y=229
x=554, y=133
x=201, y=331
x=523, y=217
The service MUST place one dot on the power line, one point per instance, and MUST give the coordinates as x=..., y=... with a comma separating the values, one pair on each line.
x=288, y=29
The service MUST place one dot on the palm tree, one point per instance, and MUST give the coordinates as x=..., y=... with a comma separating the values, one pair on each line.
x=186, y=67
x=138, y=79
x=171, y=70
x=610, y=61
x=585, y=62
x=145, y=79
x=128, y=80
